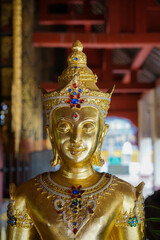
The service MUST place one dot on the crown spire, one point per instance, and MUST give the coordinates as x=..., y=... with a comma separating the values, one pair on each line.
x=77, y=46
x=77, y=58
x=77, y=65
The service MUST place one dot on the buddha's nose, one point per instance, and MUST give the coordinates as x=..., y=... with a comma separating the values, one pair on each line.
x=76, y=136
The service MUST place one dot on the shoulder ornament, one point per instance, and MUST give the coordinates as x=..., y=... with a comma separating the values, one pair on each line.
x=17, y=218
x=136, y=215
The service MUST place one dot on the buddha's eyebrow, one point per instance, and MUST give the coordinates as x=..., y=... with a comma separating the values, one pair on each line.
x=88, y=120
x=64, y=120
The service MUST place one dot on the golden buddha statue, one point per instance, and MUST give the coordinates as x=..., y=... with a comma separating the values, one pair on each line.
x=76, y=202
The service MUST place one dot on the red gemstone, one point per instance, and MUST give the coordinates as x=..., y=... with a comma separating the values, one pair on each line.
x=75, y=230
x=78, y=95
x=78, y=105
x=68, y=101
x=79, y=187
x=73, y=187
x=72, y=105
x=82, y=191
x=75, y=85
x=81, y=100
x=71, y=96
x=72, y=196
x=70, y=191
x=79, y=196
x=60, y=211
x=75, y=115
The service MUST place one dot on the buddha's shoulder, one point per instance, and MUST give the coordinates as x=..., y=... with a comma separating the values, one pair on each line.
x=25, y=191
x=127, y=190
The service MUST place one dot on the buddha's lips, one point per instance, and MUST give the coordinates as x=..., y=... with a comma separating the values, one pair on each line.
x=76, y=151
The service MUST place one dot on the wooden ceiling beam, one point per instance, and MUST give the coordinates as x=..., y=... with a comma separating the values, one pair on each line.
x=93, y=40
x=137, y=63
x=140, y=57
x=67, y=19
x=120, y=69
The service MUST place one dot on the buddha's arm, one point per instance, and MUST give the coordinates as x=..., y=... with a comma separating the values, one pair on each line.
x=129, y=224
x=20, y=225
x=127, y=233
x=19, y=233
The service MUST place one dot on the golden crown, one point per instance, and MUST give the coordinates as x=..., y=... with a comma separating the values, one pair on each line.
x=77, y=86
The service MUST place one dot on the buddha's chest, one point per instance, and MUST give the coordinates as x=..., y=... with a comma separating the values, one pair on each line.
x=64, y=213
x=76, y=218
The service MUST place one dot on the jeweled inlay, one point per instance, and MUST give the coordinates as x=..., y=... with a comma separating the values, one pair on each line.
x=76, y=204
x=74, y=97
x=12, y=221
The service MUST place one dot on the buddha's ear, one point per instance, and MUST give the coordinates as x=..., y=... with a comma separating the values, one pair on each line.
x=49, y=134
x=106, y=126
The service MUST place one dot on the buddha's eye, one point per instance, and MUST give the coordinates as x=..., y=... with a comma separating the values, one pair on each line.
x=63, y=127
x=88, y=127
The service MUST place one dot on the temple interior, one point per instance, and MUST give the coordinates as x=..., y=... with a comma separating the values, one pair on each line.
x=121, y=39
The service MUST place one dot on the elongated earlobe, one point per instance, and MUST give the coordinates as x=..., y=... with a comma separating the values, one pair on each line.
x=104, y=132
x=96, y=159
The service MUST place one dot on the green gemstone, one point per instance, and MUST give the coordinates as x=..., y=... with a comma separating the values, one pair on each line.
x=73, y=202
x=129, y=222
x=131, y=225
x=60, y=206
x=76, y=200
x=134, y=218
x=134, y=225
x=136, y=221
x=80, y=201
x=80, y=206
x=130, y=218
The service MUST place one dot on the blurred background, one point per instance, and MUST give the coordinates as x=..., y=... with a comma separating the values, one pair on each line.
x=121, y=39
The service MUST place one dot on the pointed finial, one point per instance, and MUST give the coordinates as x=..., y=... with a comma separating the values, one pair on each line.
x=77, y=58
x=77, y=46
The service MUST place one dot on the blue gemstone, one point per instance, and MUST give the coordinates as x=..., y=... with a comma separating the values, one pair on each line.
x=76, y=204
x=132, y=221
x=75, y=101
x=74, y=93
x=74, y=223
x=79, y=90
x=75, y=211
x=69, y=90
x=76, y=67
x=11, y=221
x=76, y=58
x=76, y=191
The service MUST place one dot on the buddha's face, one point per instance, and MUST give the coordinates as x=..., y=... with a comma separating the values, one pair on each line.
x=76, y=132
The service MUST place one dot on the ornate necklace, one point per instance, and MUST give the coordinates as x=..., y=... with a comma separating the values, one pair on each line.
x=76, y=205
